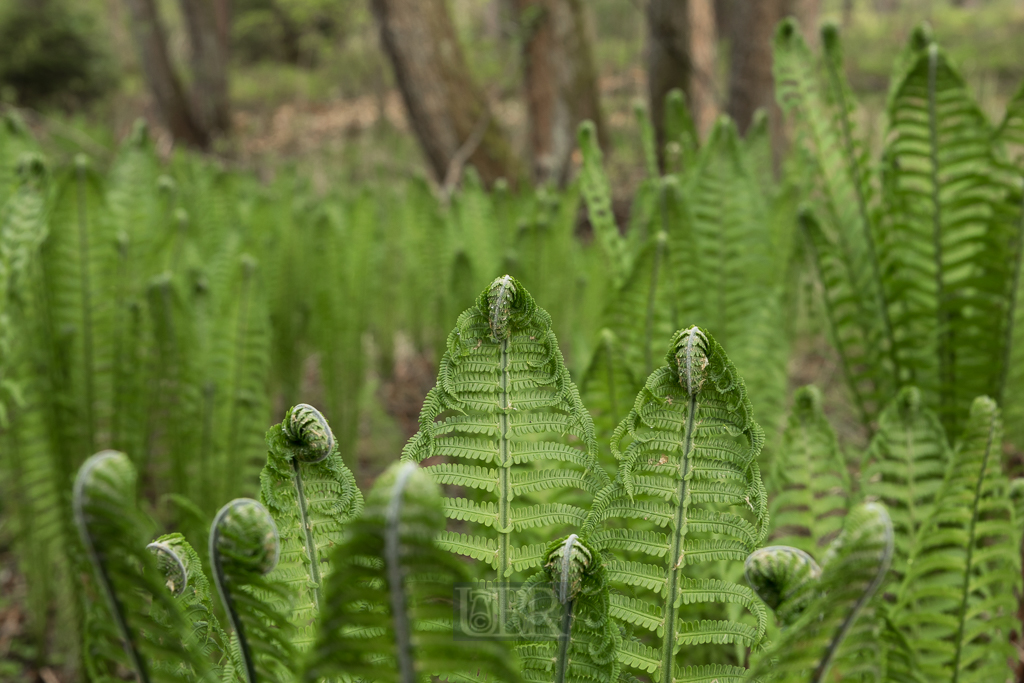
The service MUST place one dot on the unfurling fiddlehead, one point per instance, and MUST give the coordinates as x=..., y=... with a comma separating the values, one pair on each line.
x=244, y=548
x=784, y=577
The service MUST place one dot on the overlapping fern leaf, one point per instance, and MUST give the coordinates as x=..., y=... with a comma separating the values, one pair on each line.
x=571, y=593
x=244, y=549
x=598, y=196
x=810, y=478
x=311, y=495
x=904, y=468
x=390, y=592
x=688, y=496
x=956, y=601
x=149, y=621
x=831, y=631
x=504, y=399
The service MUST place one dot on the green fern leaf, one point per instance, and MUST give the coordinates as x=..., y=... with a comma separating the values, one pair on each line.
x=690, y=425
x=598, y=196
x=311, y=496
x=851, y=571
x=956, y=601
x=244, y=549
x=811, y=474
x=504, y=398
x=390, y=587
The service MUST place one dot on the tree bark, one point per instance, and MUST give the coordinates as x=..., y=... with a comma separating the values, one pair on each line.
x=561, y=82
x=207, y=32
x=445, y=107
x=750, y=71
x=163, y=82
x=703, y=58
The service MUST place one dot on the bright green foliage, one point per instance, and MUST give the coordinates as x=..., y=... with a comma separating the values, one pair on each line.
x=956, y=602
x=311, y=495
x=825, y=634
x=573, y=585
x=810, y=476
x=390, y=589
x=690, y=486
x=504, y=398
x=609, y=386
x=114, y=535
x=785, y=578
x=917, y=278
x=244, y=549
x=598, y=195
x=904, y=468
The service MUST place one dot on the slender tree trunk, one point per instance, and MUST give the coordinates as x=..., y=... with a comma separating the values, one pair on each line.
x=561, y=82
x=445, y=107
x=703, y=58
x=207, y=32
x=668, y=59
x=163, y=82
x=750, y=71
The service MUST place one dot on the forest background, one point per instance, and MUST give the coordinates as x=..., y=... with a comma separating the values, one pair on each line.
x=332, y=93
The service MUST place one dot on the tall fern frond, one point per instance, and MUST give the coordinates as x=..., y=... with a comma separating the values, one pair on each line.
x=680, y=131
x=391, y=588
x=150, y=621
x=572, y=591
x=609, y=386
x=811, y=477
x=244, y=549
x=825, y=634
x=688, y=466
x=956, y=601
x=504, y=399
x=943, y=249
x=597, y=194
x=311, y=495
x=904, y=468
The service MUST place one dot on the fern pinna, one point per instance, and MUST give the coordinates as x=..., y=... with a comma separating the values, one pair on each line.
x=504, y=398
x=690, y=487
x=311, y=495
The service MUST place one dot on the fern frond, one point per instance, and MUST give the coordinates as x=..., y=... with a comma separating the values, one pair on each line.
x=244, y=549
x=504, y=398
x=389, y=587
x=608, y=386
x=851, y=571
x=786, y=578
x=811, y=474
x=149, y=620
x=311, y=496
x=956, y=601
x=597, y=194
x=904, y=468
x=691, y=420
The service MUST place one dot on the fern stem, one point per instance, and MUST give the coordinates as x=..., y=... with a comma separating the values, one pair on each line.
x=307, y=530
x=504, y=486
x=862, y=207
x=946, y=376
x=565, y=632
x=396, y=589
x=225, y=595
x=966, y=586
x=86, y=287
x=675, y=554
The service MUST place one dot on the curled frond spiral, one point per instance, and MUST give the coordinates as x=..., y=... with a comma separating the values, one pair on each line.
x=172, y=565
x=784, y=577
x=309, y=432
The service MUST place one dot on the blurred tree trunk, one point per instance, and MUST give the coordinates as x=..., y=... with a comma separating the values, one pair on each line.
x=681, y=53
x=207, y=32
x=448, y=112
x=561, y=82
x=195, y=118
x=807, y=13
x=750, y=71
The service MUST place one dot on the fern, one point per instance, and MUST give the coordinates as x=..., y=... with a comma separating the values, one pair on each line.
x=150, y=622
x=504, y=399
x=687, y=456
x=904, y=468
x=390, y=589
x=956, y=601
x=598, y=195
x=811, y=477
x=244, y=548
x=311, y=495
x=851, y=571
x=573, y=585
x=608, y=384
x=787, y=579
